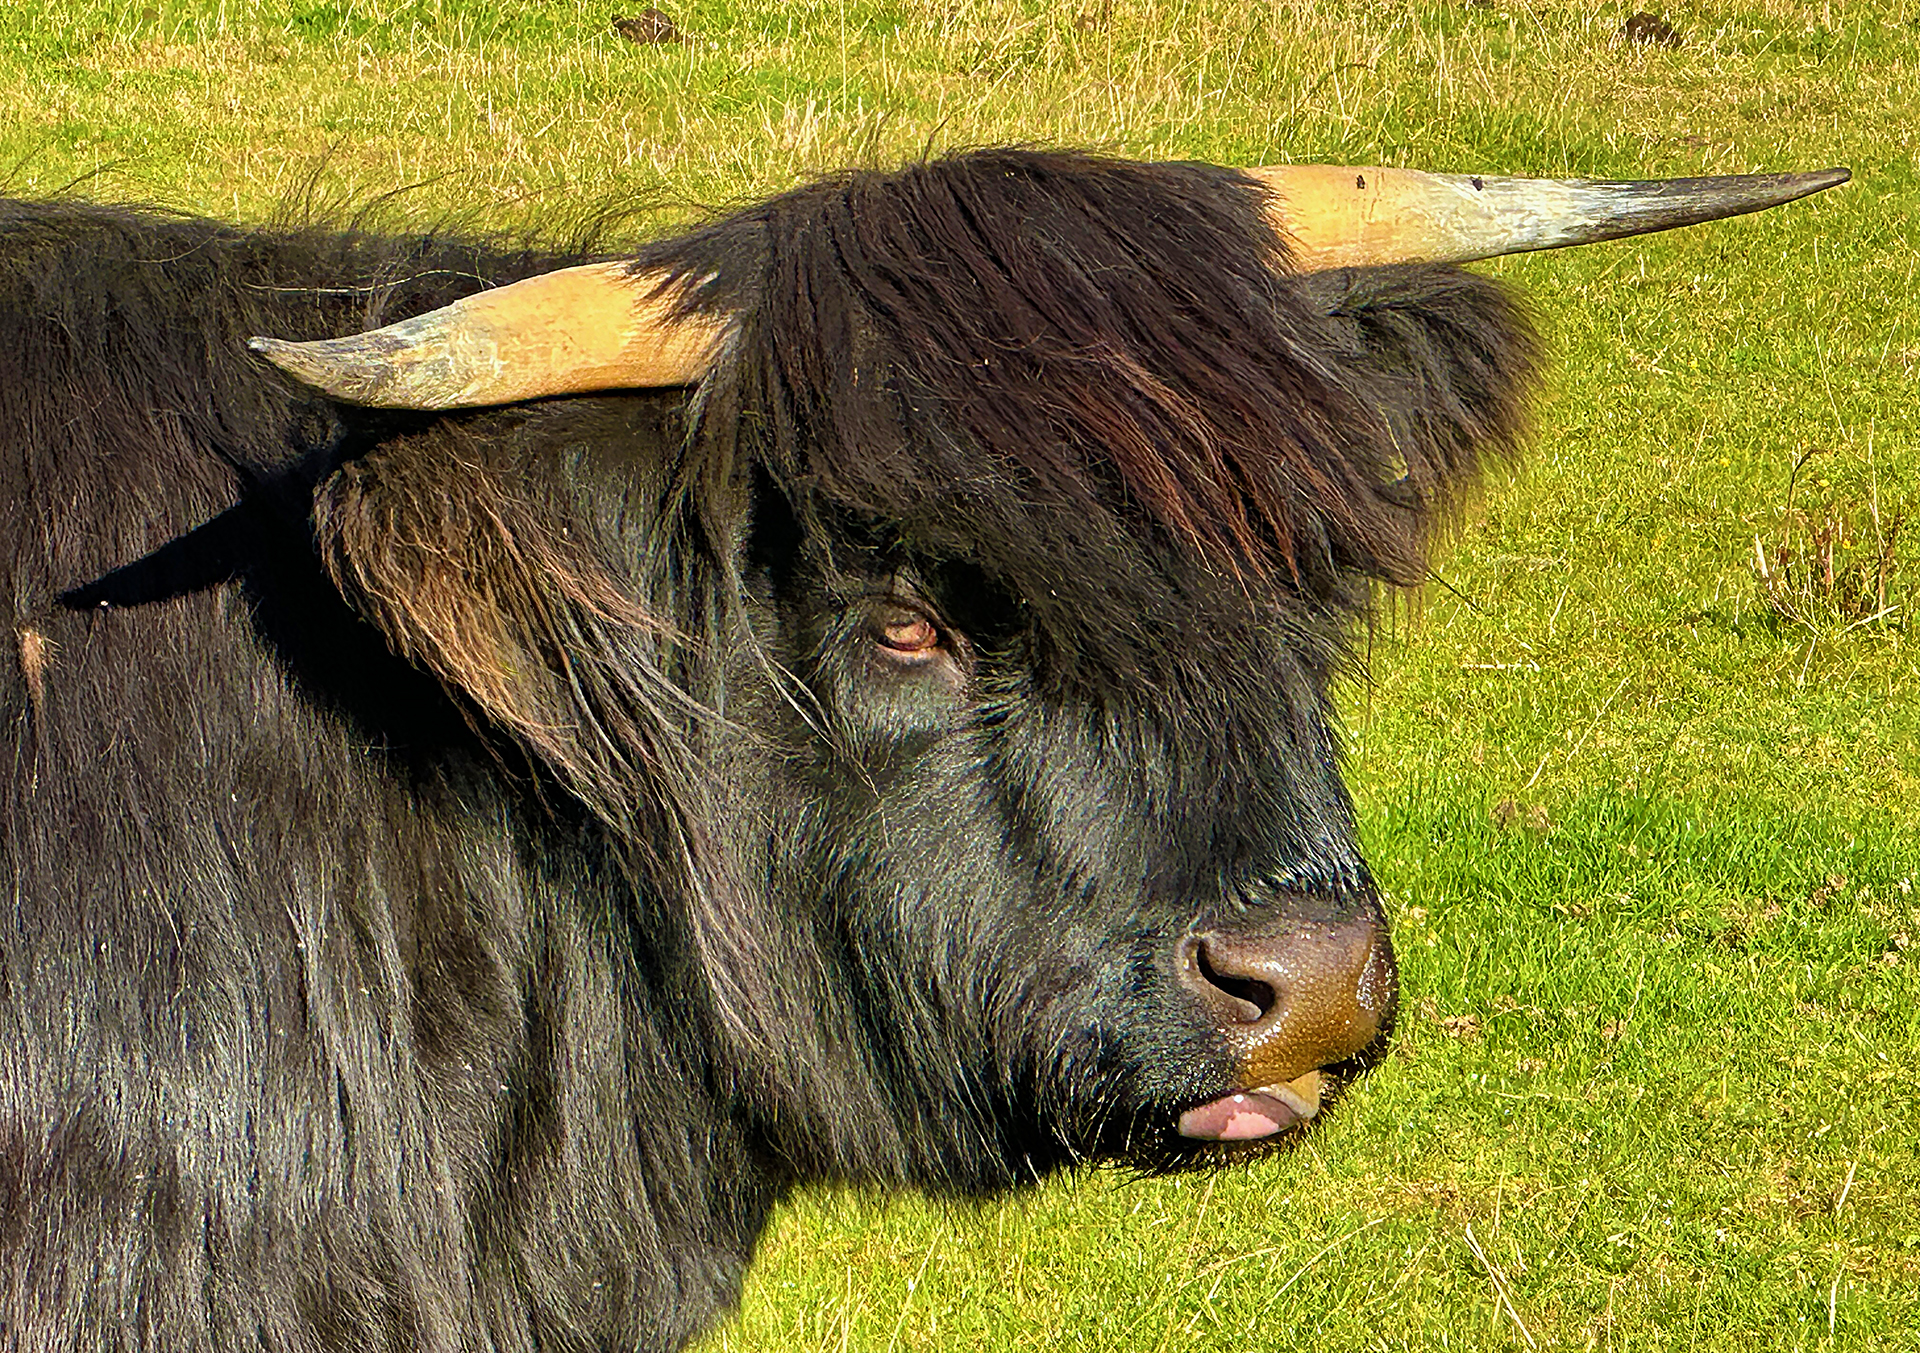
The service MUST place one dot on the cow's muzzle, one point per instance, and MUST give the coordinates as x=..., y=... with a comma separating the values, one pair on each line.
x=1291, y=1001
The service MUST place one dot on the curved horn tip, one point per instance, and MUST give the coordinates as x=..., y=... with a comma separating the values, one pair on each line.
x=591, y=327
x=327, y=369
x=292, y=358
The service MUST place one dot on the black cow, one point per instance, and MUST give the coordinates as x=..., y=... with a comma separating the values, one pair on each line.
x=463, y=868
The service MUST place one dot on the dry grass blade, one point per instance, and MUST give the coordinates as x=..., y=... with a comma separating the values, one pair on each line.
x=1501, y=1287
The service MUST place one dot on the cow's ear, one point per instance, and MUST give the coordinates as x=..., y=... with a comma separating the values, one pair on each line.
x=506, y=554
x=458, y=546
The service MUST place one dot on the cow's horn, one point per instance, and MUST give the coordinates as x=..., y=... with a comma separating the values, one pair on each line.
x=600, y=326
x=1341, y=216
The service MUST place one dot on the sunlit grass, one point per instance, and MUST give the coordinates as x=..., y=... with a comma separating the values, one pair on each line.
x=1652, y=848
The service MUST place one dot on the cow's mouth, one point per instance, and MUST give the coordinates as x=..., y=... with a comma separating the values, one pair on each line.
x=1248, y=1115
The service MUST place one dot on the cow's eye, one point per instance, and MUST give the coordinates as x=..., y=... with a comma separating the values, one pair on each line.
x=907, y=636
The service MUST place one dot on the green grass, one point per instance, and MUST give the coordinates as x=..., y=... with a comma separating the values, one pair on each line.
x=1653, y=851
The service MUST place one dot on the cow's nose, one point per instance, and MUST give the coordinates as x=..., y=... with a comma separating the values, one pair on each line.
x=1293, y=999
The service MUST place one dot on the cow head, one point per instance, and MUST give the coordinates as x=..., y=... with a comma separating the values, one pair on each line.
x=951, y=640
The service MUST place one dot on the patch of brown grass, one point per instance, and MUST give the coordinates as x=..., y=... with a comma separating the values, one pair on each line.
x=1834, y=567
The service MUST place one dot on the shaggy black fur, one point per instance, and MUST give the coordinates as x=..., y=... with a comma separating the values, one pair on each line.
x=465, y=869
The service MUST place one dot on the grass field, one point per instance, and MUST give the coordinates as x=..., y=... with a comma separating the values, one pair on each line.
x=1650, y=822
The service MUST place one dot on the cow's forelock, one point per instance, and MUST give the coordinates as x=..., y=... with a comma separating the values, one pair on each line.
x=1014, y=359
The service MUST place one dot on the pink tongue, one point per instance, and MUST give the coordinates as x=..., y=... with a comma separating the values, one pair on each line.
x=1238, y=1118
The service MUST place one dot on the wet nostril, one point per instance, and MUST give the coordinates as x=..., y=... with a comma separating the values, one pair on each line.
x=1255, y=996
x=1292, y=995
